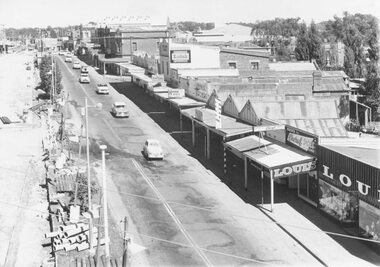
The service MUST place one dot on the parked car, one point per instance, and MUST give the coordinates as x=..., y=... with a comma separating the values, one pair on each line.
x=68, y=59
x=84, y=78
x=152, y=149
x=76, y=65
x=28, y=67
x=84, y=69
x=119, y=109
x=102, y=89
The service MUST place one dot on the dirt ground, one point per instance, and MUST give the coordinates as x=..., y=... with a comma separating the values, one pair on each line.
x=23, y=204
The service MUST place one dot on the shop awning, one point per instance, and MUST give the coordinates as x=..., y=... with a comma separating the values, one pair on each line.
x=282, y=161
x=245, y=144
x=185, y=102
x=230, y=127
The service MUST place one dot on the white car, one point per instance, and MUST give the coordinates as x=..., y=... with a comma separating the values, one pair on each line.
x=119, y=109
x=76, y=65
x=152, y=149
x=68, y=59
x=102, y=89
x=84, y=78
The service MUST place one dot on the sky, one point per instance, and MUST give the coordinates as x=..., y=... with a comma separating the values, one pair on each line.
x=41, y=13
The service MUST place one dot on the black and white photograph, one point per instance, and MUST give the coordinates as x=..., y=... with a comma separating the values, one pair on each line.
x=169, y=133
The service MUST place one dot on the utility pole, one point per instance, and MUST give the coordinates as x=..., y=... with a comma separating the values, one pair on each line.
x=105, y=209
x=88, y=176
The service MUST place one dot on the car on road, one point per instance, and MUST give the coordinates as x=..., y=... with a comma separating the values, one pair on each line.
x=152, y=149
x=84, y=78
x=68, y=59
x=119, y=110
x=28, y=67
x=84, y=69
x=102, y=89
x=76, y=65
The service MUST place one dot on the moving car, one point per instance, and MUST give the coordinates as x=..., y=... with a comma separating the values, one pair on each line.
x=119, y=109
x=84, y=78
x=102, y=89
x=68, y=59
x=84, y=69
x=152, y=149
x=76, y=65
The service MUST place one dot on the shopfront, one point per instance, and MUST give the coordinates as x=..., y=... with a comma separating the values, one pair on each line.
x=349, y=186
x=307, y=183
x=274, y=160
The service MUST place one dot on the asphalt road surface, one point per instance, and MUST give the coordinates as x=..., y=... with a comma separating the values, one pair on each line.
x=179, y=211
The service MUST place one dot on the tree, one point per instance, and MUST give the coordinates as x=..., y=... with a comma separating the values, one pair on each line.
x=371, y=88
x=314, y=43
x=302, y=45
x=45, y=68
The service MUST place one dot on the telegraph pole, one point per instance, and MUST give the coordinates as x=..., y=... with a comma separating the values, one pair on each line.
x=105, y=209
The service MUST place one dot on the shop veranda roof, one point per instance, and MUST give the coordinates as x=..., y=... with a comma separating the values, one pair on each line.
x=207, y=117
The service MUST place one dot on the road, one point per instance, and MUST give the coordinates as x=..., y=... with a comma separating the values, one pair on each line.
x=178, y=210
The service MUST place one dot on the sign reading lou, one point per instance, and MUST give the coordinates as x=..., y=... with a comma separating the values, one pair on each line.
x=294, y=169
x=301, y=140
x=180, y=56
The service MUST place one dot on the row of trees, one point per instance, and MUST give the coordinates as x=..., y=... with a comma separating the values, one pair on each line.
x=45, y=68
x=193, y=26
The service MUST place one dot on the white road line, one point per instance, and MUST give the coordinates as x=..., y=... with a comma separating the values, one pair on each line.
x=81, y=86
x=172, y=214
x=112, y=130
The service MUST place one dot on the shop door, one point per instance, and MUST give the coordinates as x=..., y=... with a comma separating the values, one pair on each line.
x=308, y=187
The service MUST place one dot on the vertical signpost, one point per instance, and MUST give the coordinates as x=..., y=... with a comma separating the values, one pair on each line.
x=218, y=113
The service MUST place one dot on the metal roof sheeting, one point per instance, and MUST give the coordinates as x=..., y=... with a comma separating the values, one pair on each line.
x=230, y=127
x=296, y=110
x=320, y=127
x=247, y=143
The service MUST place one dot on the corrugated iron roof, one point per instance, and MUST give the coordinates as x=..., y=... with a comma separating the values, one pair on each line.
x=292, y=66
x=230, y=127
x=296, y=109
x=365, y=155
x=247, y=143
x=65, y=183
x=321, y=127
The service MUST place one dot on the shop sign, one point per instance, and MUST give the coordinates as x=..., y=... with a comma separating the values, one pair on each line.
x=180, y=56
x=346, y=181
x=176, y=93
x=295, y=169
x=199, y=115
x=218, y=113
x=301, y=140
x=265, y=128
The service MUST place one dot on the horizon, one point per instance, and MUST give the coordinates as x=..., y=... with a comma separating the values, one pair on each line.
x=26, y=14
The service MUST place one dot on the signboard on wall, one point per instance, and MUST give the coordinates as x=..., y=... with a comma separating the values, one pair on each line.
x=294, y=169
x=176, y=93
x=180, y=56
x=301, y=140
x=218, y=113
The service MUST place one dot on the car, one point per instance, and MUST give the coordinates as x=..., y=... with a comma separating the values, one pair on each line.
x=84, y=78
x=28, y=67
x=84, y=69
x=152, y=149
x=119, y=110
x=76, y=65
x=102, y=89
x=68, y=59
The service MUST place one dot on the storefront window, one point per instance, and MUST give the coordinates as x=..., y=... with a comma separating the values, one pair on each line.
x=369, y=221
x=337, y=203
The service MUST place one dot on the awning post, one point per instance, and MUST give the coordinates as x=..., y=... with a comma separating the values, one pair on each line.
x=245, y=172
x=192, y=132
x=180, y=121
x=207, y=143
x=271, y=191
x=224, y=156
x=262, y=188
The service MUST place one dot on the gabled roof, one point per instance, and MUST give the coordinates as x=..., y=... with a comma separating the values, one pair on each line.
x=297, y=109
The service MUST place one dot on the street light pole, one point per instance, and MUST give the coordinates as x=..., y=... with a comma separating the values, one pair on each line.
x=105, y=210
x=88, y=175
